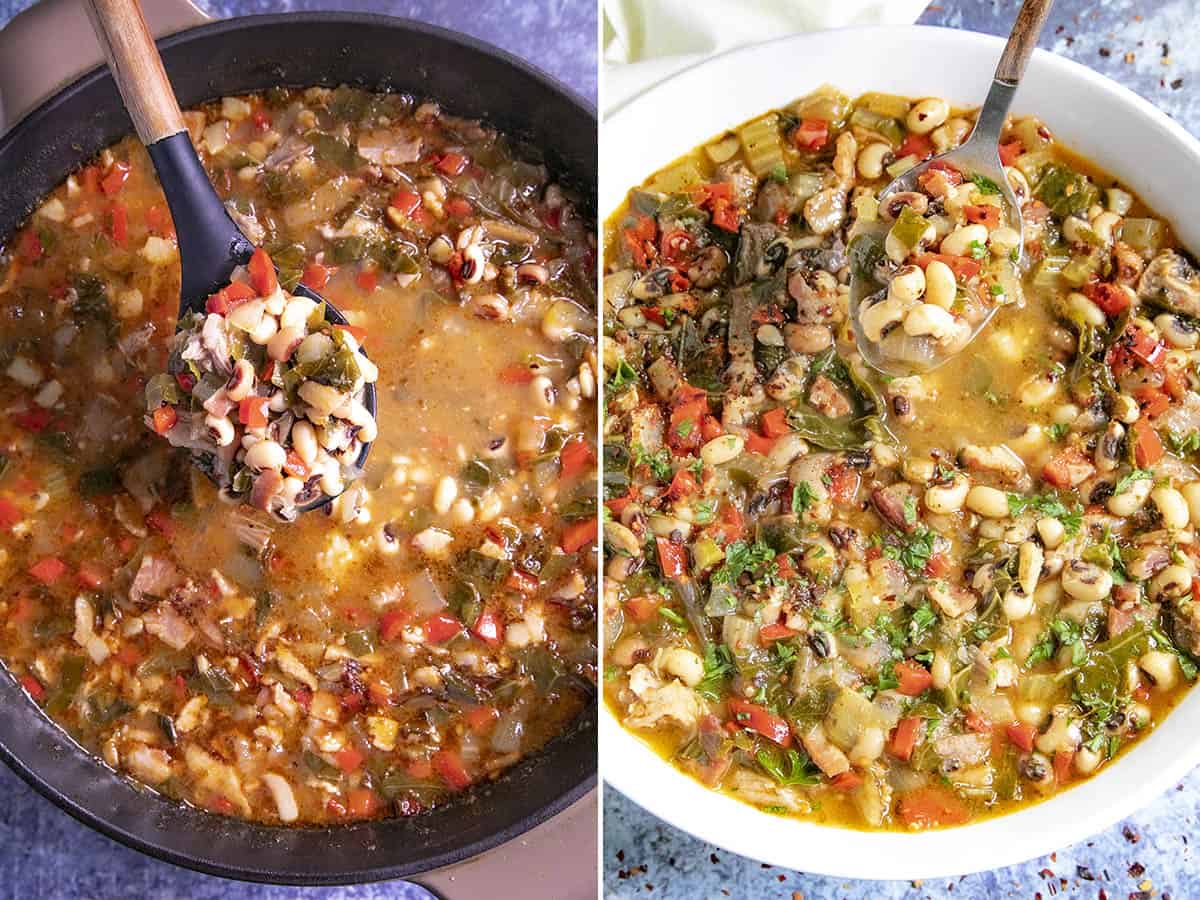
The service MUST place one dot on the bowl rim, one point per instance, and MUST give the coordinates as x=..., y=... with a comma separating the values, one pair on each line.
x=1125, y=785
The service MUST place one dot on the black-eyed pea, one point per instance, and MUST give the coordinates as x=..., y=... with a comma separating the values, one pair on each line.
x=1125, y=409
x=220, y=429
x=1104, y=226
x=948, y=498
x=1017, y=605
x=444, y=494
x=1051, y=531
x=1171, y=506
x=1175, y=332
x=1086, y=761
x=941, y=287
x=950, y=135
x=1191, y=494
x=872, y=158
x=880, y=316
x=1162, y=667
x=959, y=241
x=684, y=664
x=1085, y=582
x=927, y=319
x=1130, y=500
x=1172, y=582
x=1030, y=559
x=907, y=285
x=918, y=471
x=927, y=115
x=266, y=455
x=1038, y=391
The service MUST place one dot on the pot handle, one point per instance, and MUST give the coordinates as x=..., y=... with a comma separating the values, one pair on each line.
x=556, y=859
x=52, y=43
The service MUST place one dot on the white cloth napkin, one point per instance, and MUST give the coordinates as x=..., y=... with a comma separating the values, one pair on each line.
x=645, y=41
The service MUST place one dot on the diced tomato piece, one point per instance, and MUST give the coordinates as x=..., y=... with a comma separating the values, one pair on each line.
x=261, y=119
x=774, y=423
x=262, y=273
x=760, y=444
x=118, y=223
x=676, y=245
x=392, y=622
x=682, y=485
x=117, y=175
x=48, y=569
x=846, y=782
x=576, y=457
x=458, y=207
x=407, y=202
x=579, y=534
x=158, y=220
x=904, y=737
x=963, y=267
x=725, y=215
x=983, y=214
x=449, y=766
x=811, y=134
x=91, y=575
x=1175, y=383
x=36, y=420
x=163, y=419
x=315, y=276
x=1059, y=470
x=522, y=582
x=684, y=431
x=938, y=566
x=367, y=280
x=252, y=412
x=710, y=427
x=349, y=758
x=489, y=628
x=33, y=687
x=1151, y=352
x=129, y=655
x=914, y=678
x=672, y=557
x=977, y=723
x=1009, y=152
x=217, y=303
x=783, y=565
x=1153, y=401
x=517, y=373
x=451, y=164
x=481, y=719
x=1021, y=735
x=441, y=627
x=643, y=607
x=10, y=514
x=776, y=631
x=730, y=523
x=928, y=807
x=29, y=246
x=760, y=719
x=1147, y=447
x=90, y=177
x=1112, y=298
x=295, y=466
x=1063, y=760
x=918, y=145
x=362, y=803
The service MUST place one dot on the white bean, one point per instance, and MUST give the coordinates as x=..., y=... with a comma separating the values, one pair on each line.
x=266, y=455
x=1172, y=507
x=941, y=288
x=927, y=114
x=988, y=502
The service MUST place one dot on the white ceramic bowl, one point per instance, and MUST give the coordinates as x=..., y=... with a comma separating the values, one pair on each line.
x=1106, y=122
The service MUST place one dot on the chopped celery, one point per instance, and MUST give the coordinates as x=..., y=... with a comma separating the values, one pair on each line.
x=1143, y=234
x=826, y=103
x=679, y=177
x=1080, y=270
x=1118, y=201
x=1032, y=134
x=1048, y=272
x=1031, y=164
x=804, y=184
x=866, y=208
x=885, y=127
x=902, y=165
x=762, y=144
x=890, y=105
x=723, y=150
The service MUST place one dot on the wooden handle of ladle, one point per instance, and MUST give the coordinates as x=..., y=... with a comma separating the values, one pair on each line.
x=1023, y=39
x=137, y=67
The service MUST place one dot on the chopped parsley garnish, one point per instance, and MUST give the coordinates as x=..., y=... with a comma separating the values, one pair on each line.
x=742, y=557
x=1125, y=481
x=1047, y=505
x=803, y=497
x=1062, y=633
x=996, y=290
x=1183, y=444
x=1058, y=431
x=659, y=463
x=704, y=512
x=788, y=767
x=624, y=376
x=1107, y=553
x=684, y=428
x=977, y=250
x=718, y=667
x=671, y=616
x=922, y=622
x=910, y=550
x=984, y=184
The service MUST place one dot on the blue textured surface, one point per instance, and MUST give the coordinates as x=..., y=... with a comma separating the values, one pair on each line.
x=46, y=855
x=1151, y=47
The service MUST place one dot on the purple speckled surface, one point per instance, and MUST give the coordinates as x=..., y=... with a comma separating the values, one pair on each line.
x=1152, y=47
x=46, y=855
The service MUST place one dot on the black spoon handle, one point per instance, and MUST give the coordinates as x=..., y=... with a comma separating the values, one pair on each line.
x=137, y=68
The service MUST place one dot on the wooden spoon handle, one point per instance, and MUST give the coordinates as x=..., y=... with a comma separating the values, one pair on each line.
x=1023, y=39
x=137, y=67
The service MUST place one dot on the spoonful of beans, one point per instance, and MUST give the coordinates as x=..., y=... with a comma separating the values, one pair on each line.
x=944, y=251
x=267, y=388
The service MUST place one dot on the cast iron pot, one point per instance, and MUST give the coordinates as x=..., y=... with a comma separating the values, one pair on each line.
x=231, y=57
